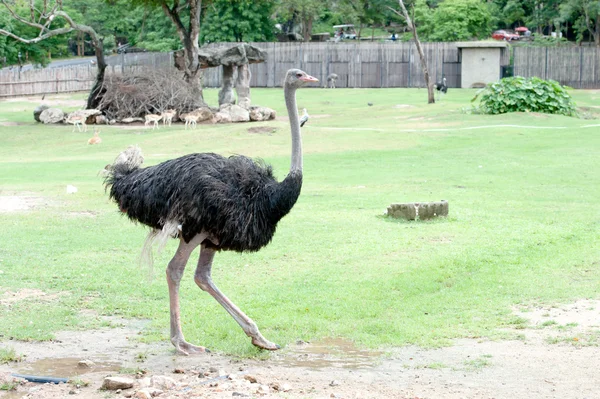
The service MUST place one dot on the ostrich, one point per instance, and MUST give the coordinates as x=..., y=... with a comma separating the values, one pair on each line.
x=331, y=78
x=304, y=118
x=441, y=87
x=213, y=202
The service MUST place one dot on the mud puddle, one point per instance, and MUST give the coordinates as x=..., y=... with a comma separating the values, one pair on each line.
x=68, y=367
x=330, y=352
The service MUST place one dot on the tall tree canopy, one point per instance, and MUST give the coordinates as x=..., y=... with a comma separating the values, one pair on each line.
x=238, y=21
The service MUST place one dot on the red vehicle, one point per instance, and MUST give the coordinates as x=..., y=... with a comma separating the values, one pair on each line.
x=505, y=35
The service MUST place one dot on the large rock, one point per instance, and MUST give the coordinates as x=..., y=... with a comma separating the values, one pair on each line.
x=131, y=120
x=237, y=113
x=222, y=117
x=37, y=111
x=52, y=115
x=203, y=113
x=262, y=113
x=114, y=383
x=238, y=55
x=89, y=114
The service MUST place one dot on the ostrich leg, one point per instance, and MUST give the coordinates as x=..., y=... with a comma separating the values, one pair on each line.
x=174, y=274
x=204, y=281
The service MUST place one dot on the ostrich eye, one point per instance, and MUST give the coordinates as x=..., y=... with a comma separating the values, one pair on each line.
x=299, y=75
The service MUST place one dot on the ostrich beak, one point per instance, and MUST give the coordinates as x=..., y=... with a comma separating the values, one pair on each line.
x=309, y=78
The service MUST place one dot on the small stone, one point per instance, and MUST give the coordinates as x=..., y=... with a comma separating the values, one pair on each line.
x=144, y=382
x=239, y=395
x=250, y=378
x=114, y=383
x=263, y=390
x=286, y=387
x=275, y=386
x=179, y=371
x=213, y=369
x=142, y=394
x=232, y=376
x=162, y=382
x=334, y=383
x=118, y=391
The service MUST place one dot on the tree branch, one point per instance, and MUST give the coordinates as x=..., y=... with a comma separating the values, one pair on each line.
x=51, y=33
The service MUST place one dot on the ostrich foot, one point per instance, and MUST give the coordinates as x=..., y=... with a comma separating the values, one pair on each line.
x=183, y=347
x=263, y=343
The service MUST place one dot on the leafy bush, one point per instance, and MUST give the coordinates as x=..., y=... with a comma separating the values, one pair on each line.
x=518, y=94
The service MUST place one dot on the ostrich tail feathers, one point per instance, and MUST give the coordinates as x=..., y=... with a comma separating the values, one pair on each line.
x=125, y=163
x=159, y=238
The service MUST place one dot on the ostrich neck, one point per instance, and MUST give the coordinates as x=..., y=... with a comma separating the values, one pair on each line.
x=290, y=102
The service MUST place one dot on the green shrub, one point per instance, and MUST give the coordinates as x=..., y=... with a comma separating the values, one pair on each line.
x=518, y=94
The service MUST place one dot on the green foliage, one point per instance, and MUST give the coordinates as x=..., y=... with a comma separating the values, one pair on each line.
x=238, y=21
x=518, y=94
x=456, y=20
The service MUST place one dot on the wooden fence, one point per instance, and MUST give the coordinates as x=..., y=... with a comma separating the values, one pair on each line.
x=577, y=67
x=14, y=82
x=358, y=64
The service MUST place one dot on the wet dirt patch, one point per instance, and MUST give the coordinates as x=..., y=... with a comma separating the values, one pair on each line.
x=262, y=129
x=331, y=352
x=524, y=368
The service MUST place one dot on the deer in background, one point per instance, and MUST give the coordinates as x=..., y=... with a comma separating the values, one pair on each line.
x=190, y=120
x=152, y=118
x=77, y=121
x=167, y=116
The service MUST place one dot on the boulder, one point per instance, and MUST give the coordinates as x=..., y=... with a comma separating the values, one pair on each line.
x=37, y=111
x=237, y=113
x=101, y=120
x=222, y=117
x=89, y=114
x=131, y=120
x=52, y=115
x=237, y=55
x=262, y=113
x=203, y=113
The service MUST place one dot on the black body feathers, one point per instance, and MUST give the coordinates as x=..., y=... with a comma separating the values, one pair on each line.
x=236, y=200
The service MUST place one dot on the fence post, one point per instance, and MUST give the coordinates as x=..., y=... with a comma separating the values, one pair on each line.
x=580, y=67
x=546, y=66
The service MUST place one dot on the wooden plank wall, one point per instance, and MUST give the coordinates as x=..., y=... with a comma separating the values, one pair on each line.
x=358, y=64
x=577, y=67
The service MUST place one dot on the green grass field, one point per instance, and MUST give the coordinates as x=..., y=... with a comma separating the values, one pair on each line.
x=523, y=226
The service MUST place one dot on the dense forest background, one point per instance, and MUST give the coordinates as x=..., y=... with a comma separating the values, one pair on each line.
x=143, y=24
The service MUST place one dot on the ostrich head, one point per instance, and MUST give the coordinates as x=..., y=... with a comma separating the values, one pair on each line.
x=444, y=80
x=296, y=78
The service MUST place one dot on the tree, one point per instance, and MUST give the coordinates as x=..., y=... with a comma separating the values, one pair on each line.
x=370, y=12
x=457, y=20
x=48, y=20
x=411, y=25
x=238, y=21
x=586, y=17
x=185, y=16
x=307, y=11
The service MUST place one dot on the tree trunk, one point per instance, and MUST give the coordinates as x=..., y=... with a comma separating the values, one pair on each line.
x=190, y=66
x=98, y=90
x=307, y=28
x=413, y=28
x=597, y=32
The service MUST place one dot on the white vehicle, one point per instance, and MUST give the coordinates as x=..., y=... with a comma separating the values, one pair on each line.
x=344, y=32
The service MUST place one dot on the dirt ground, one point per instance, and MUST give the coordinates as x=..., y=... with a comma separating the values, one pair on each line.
x=557, y=356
